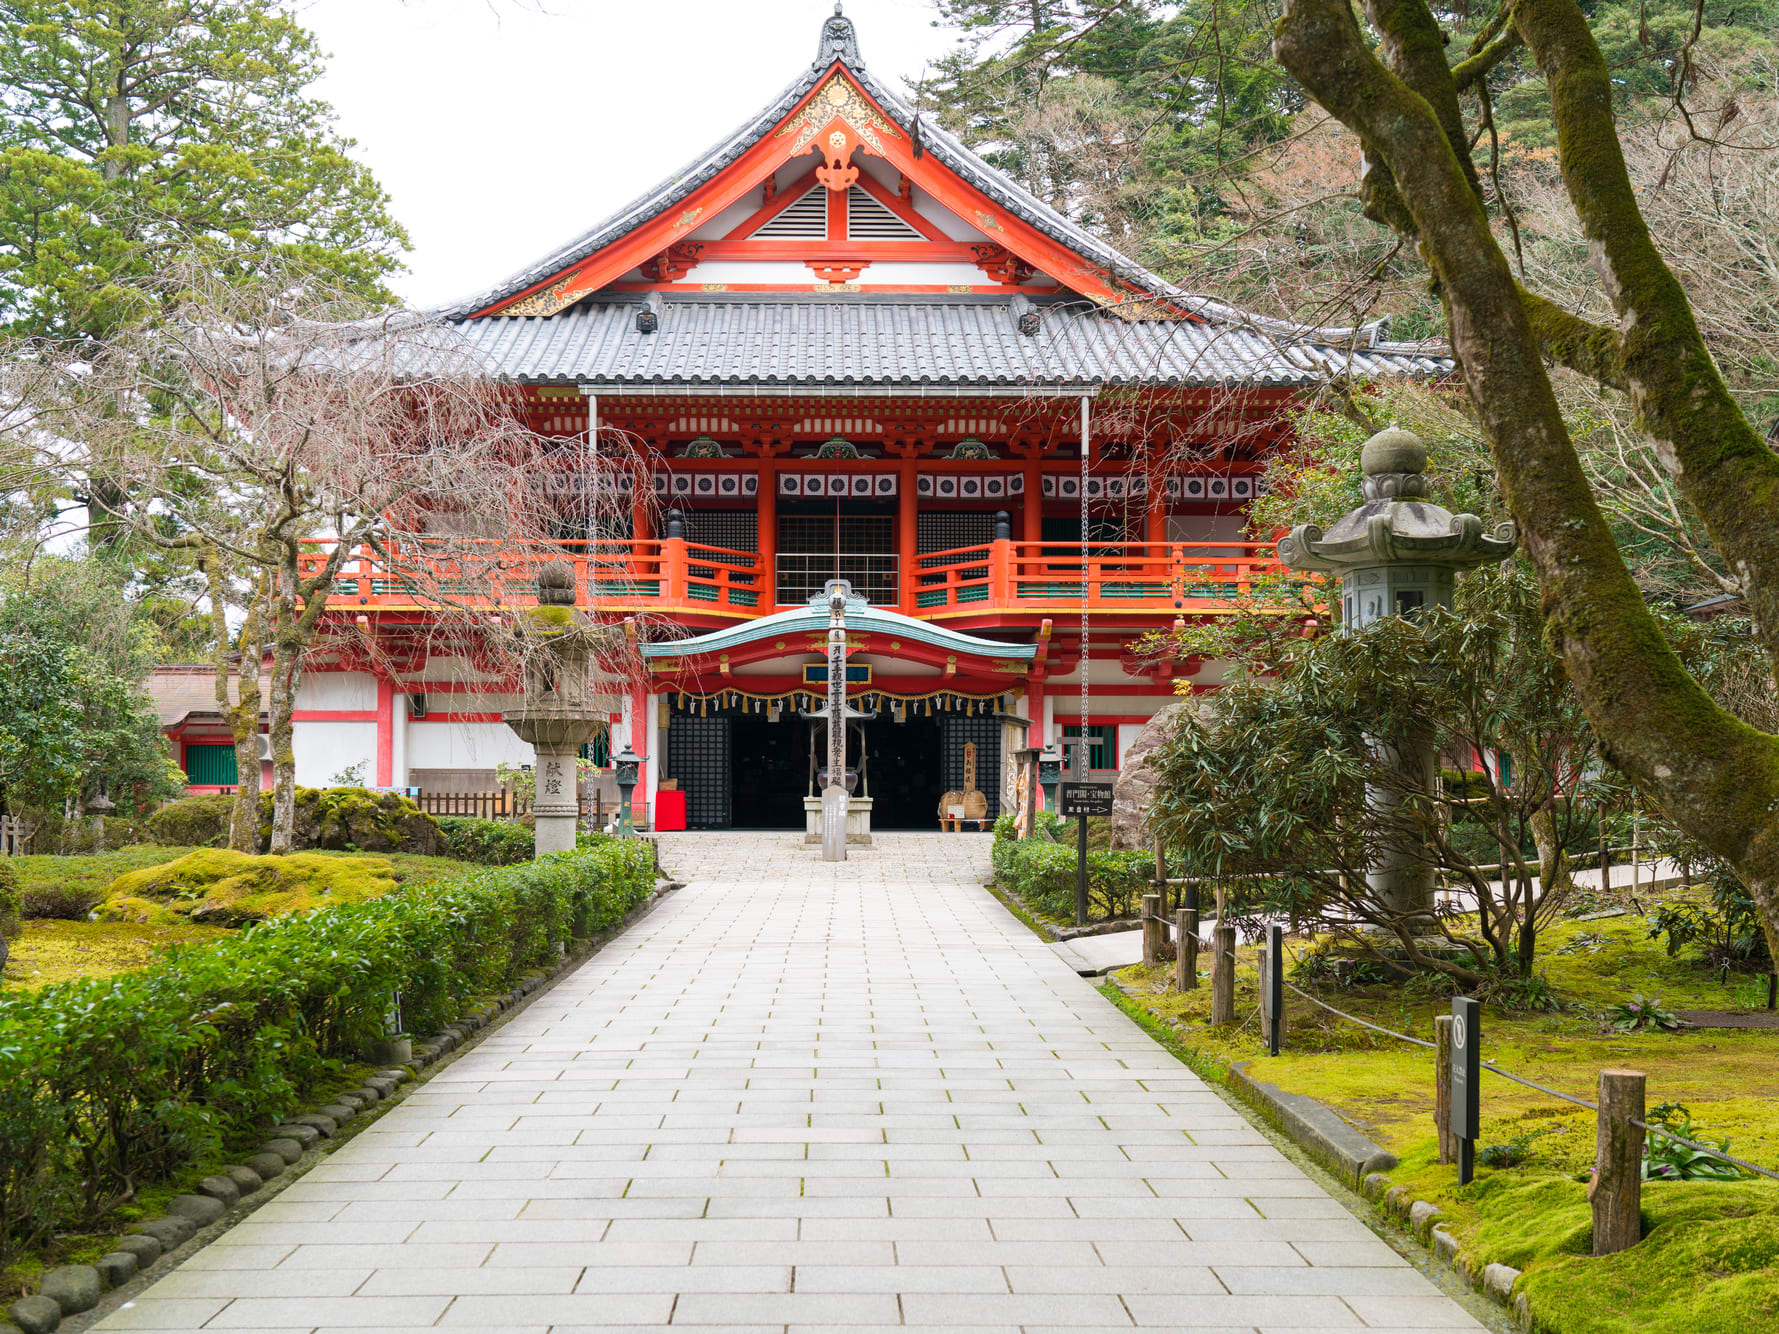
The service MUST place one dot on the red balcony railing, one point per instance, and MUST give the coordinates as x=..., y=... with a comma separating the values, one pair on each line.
x=673, y=575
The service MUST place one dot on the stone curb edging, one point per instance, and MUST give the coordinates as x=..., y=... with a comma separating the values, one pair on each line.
x=1424, y=1221
x=1360, y=1163
x=1320, y=1132
x=71, y=1290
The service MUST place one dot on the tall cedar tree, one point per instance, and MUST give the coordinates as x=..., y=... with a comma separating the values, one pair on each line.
x=131, y=130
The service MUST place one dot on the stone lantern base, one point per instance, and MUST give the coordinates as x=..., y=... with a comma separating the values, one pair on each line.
x=858, y=821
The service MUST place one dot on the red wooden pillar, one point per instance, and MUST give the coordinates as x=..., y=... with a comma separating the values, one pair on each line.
x=1155, y=518
x=639, y=719
x=766, y=541
x=643, y=799
x=1034, y=500
x=385, y=732
x=907, y=536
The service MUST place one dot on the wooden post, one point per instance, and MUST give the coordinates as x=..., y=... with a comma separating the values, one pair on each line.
x=1161, y=876
x=1185, y=950
x=1442, y=1087
x=1154, y=929
x=1635, y=829
x=1223, y=974
x=1616, y=1191
x=1605, y=859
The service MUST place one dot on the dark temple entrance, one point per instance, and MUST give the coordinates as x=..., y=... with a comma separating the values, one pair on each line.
x=743, y=770
x=903, y=771
x=769, y=770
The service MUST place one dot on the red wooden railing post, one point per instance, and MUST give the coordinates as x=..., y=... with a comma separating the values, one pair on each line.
x=673, y=571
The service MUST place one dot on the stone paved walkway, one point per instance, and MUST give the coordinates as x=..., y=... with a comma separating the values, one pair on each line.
x=801, y=1098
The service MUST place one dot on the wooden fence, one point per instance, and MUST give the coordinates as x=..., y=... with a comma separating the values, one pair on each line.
x=502, y=805
x=15, y=835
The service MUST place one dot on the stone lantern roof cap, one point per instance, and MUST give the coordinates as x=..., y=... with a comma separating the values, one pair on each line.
x=1397, y=524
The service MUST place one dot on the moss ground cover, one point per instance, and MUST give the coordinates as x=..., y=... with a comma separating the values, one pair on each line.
x=50, y=951
x=46, y=880
x=1710, y=1258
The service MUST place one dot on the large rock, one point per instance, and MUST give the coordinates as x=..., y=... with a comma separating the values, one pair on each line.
x=346, y=819
x=75, y=1288
x=1135, y=787
x=36, y=1315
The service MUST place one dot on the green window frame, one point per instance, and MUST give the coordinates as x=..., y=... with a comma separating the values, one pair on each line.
x=1102, y=744
x=211, y=766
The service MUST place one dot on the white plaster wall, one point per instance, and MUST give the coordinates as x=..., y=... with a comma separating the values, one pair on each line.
x=324, y=749
x=788, y=272
x=652, y=731
x=899, y=274
x=464, y=746
x=337, y=690
x=1106, y=668
x=398, y=774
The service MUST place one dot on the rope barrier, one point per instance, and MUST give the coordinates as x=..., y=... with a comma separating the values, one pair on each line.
x=1490, y=1066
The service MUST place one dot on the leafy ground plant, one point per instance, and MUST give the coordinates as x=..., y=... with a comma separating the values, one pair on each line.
x=1641, y=1012
x=1665, y=1158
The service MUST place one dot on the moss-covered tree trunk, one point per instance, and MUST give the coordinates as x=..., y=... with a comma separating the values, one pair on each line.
x=287, y=656
x=1715, y=776
x=1553, y=859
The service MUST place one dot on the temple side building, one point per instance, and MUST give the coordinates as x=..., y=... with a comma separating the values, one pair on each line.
x=848, y=347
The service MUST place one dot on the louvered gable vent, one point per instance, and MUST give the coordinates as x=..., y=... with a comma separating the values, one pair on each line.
x=804, y=220
x=868, y=219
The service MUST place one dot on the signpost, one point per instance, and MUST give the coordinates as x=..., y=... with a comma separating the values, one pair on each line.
x=1466, y=1079
x=1272, y=994
x=1081, y=800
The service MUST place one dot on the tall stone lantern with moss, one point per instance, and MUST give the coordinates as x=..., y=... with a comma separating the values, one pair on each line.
x=1395, y=555
x=559, y=715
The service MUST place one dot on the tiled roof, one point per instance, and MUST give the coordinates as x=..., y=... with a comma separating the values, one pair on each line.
x=182, y=689
x=839, y=41
x=835, y=341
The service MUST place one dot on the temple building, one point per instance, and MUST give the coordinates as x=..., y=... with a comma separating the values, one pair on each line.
x=848, y=347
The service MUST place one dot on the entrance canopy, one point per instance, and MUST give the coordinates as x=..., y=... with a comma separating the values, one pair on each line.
x=780, y=651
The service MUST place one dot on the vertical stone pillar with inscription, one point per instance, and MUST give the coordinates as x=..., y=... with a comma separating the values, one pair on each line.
x=558, y=808
x=834, y=794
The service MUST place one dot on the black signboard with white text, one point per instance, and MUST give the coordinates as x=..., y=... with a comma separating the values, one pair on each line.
x=1078, y=799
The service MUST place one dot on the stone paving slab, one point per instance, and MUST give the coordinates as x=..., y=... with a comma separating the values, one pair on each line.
x=807, y=1097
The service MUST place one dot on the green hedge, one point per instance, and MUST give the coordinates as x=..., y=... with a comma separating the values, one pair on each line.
x=192, y=822
x=110, y=1084
x=486, y=842
x=1041, y=870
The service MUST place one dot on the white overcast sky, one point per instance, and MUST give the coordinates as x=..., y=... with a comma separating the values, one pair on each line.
x=502, y=128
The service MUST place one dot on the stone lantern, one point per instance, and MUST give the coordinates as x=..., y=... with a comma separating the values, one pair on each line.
x=1396, y=554
x=558, y=716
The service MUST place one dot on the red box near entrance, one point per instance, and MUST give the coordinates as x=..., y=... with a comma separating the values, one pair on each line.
x=670, y=810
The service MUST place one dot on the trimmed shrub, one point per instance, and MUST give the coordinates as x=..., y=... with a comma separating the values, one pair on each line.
x=1041, y=870
x=192, y=822
x=487, y=842
x=110, y=1084
x=63, y=901
x=217, y=887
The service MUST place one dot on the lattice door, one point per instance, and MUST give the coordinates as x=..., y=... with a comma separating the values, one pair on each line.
x=986, y=733
x=733, y=530
x=698, y=755
x=947, y=530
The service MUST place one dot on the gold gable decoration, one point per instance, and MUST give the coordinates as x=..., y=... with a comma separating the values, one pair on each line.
x=838, y=98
